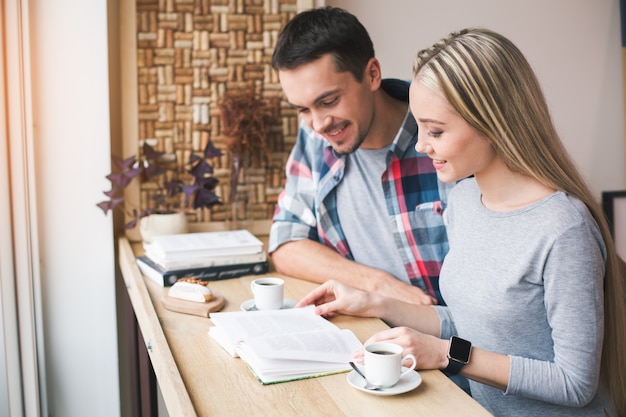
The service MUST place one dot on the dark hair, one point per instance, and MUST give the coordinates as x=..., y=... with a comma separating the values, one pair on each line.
x=325, y=30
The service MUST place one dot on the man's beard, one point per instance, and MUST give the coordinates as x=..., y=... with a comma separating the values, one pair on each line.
x=353, y=147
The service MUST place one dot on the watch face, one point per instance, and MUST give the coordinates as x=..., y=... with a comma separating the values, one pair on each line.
x=460, y=349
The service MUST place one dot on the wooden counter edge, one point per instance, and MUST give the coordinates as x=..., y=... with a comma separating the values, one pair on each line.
x=172, y=387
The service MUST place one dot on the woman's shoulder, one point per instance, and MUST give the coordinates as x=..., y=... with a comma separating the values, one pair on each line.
x=563, y=212
x=565, y=206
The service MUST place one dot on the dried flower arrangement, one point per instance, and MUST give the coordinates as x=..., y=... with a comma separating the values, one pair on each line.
x=245, y=117
x=190, y=186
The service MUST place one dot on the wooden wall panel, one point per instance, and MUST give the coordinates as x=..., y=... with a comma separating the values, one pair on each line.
x=188, y=53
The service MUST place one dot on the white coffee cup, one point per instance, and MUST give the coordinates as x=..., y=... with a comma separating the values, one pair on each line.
x=268, y=293
x=383, y=364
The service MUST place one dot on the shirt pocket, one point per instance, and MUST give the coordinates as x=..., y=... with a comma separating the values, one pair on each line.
x=429, y=230
x=435, y=207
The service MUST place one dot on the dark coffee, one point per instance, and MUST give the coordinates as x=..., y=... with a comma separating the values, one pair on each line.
x=266, y=284
x=383, y=352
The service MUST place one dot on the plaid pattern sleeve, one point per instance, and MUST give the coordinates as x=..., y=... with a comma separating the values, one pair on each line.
x=416, y=200
x=313, y=171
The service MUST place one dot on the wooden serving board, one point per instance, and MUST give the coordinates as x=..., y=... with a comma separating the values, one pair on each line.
x=193, y=307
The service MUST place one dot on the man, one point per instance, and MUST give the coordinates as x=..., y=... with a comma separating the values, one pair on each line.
x=360, y=205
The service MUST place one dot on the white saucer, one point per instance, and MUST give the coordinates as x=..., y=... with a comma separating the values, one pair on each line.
x=407, y=383
x=248, y=305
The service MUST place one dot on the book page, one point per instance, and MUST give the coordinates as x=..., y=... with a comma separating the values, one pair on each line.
x=238, y=326
x=269, y=371
x=332, y=345
x=194, y=242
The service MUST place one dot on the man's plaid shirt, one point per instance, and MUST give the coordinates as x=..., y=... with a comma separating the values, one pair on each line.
x=415, y=199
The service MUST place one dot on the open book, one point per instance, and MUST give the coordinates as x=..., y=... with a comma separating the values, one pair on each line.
x=283, y=345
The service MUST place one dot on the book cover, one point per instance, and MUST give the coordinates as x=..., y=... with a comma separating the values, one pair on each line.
x=187, y=245
x=205, y=261
x=285, y=345
x=167, y=278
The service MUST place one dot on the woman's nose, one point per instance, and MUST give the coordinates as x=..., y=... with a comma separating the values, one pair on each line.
x=422, y=144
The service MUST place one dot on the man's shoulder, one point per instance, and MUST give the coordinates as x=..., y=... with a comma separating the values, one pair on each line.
x=396, y=88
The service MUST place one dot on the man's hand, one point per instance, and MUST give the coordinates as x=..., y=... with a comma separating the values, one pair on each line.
x=405, y=292
x=312, y=261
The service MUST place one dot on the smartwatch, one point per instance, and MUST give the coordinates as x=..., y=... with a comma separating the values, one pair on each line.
x=458, y=355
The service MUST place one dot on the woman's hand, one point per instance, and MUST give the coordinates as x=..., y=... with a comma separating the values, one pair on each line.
x=334, y=297
x=430, y=351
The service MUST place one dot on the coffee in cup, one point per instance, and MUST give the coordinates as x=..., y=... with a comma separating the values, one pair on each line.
x=383, y=364
x=268, y=293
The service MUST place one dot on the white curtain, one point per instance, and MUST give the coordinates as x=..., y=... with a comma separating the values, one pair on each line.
x=22, y=387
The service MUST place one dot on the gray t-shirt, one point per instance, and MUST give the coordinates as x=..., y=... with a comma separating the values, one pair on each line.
x=370, y=232
x=529, y=284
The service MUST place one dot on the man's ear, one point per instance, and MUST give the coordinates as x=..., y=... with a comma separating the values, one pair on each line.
x=373, y=74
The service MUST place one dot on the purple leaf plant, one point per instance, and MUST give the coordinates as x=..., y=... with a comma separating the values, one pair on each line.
x=199, y=193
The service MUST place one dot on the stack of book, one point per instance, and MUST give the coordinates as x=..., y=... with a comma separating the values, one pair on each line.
x=207, y=256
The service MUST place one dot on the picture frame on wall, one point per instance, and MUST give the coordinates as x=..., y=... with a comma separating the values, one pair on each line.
x=614, y=204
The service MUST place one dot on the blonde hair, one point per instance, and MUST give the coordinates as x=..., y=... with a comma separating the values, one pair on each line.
x=489, y=83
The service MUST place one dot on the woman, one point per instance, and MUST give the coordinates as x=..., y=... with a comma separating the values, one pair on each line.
x=532, y=279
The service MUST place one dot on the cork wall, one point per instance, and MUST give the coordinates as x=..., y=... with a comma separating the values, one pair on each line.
x=189, y=53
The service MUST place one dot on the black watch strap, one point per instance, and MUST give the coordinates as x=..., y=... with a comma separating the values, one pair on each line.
x=459, y=353
x=454, y=366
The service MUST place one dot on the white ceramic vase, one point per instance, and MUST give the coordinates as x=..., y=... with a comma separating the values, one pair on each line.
x=162, y=224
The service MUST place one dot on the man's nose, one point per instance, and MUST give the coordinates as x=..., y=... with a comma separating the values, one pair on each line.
x=320, y=121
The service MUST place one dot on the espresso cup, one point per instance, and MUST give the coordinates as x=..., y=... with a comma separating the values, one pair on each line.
x=383, y=364
x=268, y=293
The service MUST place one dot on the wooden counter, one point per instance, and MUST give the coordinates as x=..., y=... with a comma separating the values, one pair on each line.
x=198, y=378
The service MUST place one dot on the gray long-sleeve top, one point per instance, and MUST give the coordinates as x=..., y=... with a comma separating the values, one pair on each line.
x=528, y=284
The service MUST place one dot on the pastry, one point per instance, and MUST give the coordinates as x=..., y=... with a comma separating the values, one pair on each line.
x=191, y=289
